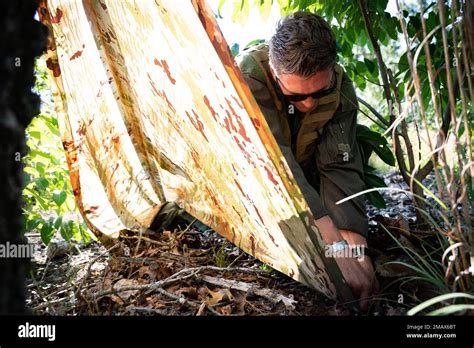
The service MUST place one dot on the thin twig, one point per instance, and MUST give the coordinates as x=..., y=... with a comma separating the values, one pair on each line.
x=50, y=303
x=236, y=259
x=184, y=301
x=89, y=267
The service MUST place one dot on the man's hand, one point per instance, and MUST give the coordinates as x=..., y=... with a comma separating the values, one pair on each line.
x=365, y=261
x=358, y=280
x=358, y=273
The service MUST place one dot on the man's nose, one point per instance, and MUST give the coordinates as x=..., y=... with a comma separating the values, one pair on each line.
x=308, y=103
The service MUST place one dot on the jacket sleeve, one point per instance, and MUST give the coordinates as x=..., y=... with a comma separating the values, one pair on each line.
x=267, y=106
x=340, y=168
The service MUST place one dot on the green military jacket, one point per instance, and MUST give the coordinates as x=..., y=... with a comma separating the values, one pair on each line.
x=319, y=147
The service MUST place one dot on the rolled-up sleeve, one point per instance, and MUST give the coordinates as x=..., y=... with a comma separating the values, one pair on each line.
x=340, y=168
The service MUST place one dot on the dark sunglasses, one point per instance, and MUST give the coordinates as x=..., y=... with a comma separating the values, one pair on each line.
x=314, y=95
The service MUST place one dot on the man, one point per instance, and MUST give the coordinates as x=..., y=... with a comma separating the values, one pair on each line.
x=311, y=107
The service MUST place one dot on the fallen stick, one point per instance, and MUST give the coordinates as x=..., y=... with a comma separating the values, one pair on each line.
x=49, y=303
x=181, y=275
x=246, y=287
x=89, y=267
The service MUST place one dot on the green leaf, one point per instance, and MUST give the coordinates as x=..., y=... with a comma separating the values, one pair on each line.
x=31, y=170
x=66, y=229
x=35, y=134
x=367, y=134
x=437, y=299
x=254, y=42
x=46, y=232
x=59, y=196
x=284, y=7
x=376, y=199
x=45, y=155
x=403, y=63
x=265, y=7
x=219, y=8
x=368, y=169
x=391, y=28
x=378, y=143
x=38, y=198
x=377, y=5
x=373, y=180
x=371, y=67
x=85, y=235
x=361, y=68
x=360, y=81
x=57, y=222
x=385, y=154
x=40, y=167
x=432, y=21
x=31, y=224
x=413, y=25
x=241, y=11
x=52, y=125
x=452, y=309
x=76, y=231
x=430, y=193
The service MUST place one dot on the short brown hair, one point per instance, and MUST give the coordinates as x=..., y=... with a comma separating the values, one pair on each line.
x=303, y=44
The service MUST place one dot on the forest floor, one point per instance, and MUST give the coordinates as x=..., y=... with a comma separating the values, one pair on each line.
x=187, y=271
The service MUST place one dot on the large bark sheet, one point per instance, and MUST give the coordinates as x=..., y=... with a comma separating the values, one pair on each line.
x=152, y=108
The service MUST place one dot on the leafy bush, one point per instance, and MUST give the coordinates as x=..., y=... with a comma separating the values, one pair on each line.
x=49, y=204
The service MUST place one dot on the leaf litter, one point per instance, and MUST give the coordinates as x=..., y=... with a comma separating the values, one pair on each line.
x=210, y=288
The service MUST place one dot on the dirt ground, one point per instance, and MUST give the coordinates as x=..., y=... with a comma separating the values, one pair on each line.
x=190, y=271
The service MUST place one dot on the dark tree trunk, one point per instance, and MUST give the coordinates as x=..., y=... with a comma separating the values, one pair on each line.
x=22, y=38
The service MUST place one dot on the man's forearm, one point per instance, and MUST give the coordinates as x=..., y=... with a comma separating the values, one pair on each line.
x=328, y=230
x=332, y=234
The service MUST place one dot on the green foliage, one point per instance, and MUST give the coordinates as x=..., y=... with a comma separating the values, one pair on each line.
x=49, y=205
x=373, y=141
x=424, y=265
x=445, y=310
x=360, y=58
x=219, y=255
x=369, y=142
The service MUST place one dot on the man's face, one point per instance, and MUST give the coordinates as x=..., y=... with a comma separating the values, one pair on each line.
x=292, y=84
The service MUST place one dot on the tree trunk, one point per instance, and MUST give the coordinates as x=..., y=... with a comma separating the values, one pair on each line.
x=22, y=39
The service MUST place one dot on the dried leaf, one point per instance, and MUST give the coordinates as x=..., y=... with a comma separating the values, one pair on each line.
x=403, y=225
x=190, y=292
x=239, y=303
x=124, y=295
x=218, y=296
x=226, y=310
x=145, y=270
